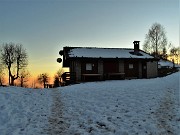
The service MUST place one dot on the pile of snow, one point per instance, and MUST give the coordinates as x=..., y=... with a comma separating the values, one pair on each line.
x=124, y=107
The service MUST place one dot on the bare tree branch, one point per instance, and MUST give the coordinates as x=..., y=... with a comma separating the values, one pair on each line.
x=156, y=40
x=15, y=58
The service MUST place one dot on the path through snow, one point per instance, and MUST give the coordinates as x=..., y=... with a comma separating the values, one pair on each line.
x=166, y=113
x=57, y=124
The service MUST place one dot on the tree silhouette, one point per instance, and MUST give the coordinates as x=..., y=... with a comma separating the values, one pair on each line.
x=1, y=75
x=56, y=81
x=57, y=77
x=43, y=79
x=59, y=73
x=175, y=53
x=156, y=40
x=15, y=58
x=23, y=77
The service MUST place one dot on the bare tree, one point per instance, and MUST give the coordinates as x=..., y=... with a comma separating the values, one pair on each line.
x=33, y=84
x=56, y=81
x=43, y=79
x=59, y=73
x=1, y=75
x=23, y=77
x=15, y=58
x=175, y=53
x=57, y=77
x=156, y=40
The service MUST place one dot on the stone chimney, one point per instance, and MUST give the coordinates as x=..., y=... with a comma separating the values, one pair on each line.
x=136, y=47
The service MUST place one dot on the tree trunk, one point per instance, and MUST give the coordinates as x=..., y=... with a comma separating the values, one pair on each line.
x=9, y=79
x=44, y=85
x=12, y=80
x=156, y=54
x=22, y=81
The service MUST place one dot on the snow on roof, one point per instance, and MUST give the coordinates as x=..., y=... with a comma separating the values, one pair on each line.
x=106, y=53
x=165, y=63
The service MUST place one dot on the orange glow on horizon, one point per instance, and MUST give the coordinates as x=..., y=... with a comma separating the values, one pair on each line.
x=176, y=59
x=32, y=81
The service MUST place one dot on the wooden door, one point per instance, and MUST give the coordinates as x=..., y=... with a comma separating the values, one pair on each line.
x=111, y=67
x=144, y=70
x=131, y=68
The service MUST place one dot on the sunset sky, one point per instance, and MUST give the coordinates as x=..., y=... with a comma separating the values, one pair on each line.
x=45, y=26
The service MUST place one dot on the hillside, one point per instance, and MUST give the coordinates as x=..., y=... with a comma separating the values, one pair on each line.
x=140, y=106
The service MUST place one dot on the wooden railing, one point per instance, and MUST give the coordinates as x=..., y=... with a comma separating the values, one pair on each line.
x=69, y=78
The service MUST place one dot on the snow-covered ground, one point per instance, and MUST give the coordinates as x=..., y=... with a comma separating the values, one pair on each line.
x=24, y=111
x=124, y=107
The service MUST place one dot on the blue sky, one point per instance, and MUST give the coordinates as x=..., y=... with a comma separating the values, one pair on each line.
x=45, y=26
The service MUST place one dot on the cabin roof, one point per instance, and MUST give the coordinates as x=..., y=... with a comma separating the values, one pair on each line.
x=107, y=53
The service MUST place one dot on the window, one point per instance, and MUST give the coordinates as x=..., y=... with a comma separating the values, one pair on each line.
x=89, y=66
x=130, y=66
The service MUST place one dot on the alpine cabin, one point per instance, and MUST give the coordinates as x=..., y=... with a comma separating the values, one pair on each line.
x=92, y=64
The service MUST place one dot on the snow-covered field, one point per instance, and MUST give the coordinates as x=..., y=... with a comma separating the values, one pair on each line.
x=24, y=111
x=124, y=107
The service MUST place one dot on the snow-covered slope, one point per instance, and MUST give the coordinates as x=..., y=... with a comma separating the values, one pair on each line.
x=124, y=107
x=24, y=111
